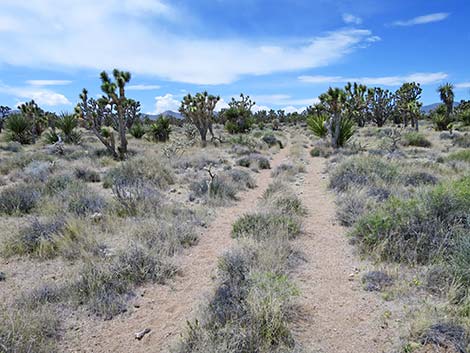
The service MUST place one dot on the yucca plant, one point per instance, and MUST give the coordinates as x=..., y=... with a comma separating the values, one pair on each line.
x=317, y=124
x=137, y=130
x=347, y=130
x=67, y=124
x=19, y=129
x=160, y=130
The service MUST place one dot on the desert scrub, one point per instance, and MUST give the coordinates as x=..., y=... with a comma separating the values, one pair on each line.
x=463, y=155
x=261, y=226
x=415, y=139
x=279, y=198
x=37, y=171
x=140, y=169
x=254, y=160
x=87, y=174
x=105, y=287
x=47, y=239
x=353, y=204
x=19, y=199
x=422, y=229
x=221, y=189
x=25, y=330
x=287, y=170
x=81, y=201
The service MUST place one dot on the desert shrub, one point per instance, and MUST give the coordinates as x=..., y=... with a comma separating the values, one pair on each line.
x=168, y=237
x=106, y=287
x=463, y=155
x=362, y=171
x=221, y=188
x=241, y=178
x=446, y=335
x=136, y=196
x=272, y=140
x=19, y=129
x=58, y=183
x=419, y=177
x=87, y=174
x=419, y=230
x=197, y=161
x=137, y=130
x=160, y=130
x=262, y=226
x=317, y=124
x=41, y=295
x=415, y=139
x=51, y=136
x=37, y=171
x=19, y=198
x=288, y=170
x=68, y=124
x=24, y=330
x=12, y=146
x=140, y=170
x=462, y=141
x=352, y=205
x=254, y=160
x=82, y=202
x=376, y=281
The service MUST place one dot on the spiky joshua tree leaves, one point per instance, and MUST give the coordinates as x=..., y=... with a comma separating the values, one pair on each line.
x=239, y=117
x=112, y=108
x=199, y=111
x=4, y=111
x=36, y=116
x=408, y=104
x=380, y=105
x=446, y=93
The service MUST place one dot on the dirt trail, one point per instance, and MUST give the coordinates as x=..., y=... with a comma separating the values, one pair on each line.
x=336, y=314
x=165, y=308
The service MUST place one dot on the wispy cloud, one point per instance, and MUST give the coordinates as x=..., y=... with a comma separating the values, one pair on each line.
x=422, y=78
x=166, y=102
x=351, y=19
x=55, y=33
x=143, y=87
x=420, y=20
x=462, y=85
x=284, y=100
x=48, y=82
x=42, y=96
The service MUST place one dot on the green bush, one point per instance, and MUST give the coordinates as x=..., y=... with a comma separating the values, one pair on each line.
x=262, y=226
x=420, y=230
x=67, y=124
x=463, y=155
x=19, y=129
x=415, y=139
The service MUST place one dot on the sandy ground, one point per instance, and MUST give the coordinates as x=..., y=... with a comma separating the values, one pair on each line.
x=165, y=308
x=336, y=314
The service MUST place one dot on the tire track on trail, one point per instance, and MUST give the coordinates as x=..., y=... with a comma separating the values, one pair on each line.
x=336, y=314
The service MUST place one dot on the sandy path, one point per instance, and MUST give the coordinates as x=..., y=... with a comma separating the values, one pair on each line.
x=337, y=315
x=165, y=308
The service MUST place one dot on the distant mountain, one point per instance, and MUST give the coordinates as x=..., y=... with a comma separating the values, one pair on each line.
x=427, y=108
x=168, y=113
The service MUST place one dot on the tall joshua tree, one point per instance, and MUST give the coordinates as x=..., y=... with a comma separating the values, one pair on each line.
x=112, y=106
x=4, y=111
x=356, y=103
x=36, y=116
x=446, y=93
x=408, y=104
x=380, y=105
x=199, y=111
x=334, y=102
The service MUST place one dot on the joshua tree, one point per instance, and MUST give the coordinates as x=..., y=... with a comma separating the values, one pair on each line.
x=111, y=107
x=199, y=111
x=334, y=102
x=356, y=104
x=133, y=113
x=446, y=93
x=407, y=102
x=380, y=105
x=36, y=116
x=238, y=117
x=4, y=112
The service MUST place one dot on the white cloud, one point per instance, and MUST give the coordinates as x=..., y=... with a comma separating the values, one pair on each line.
x=221, y=104
x=422, y=78
x=351, y=19
x=41, y=96
x=142, y=87
x=420, y=20
x=48, y=82
x=463, y=85
x=257, y=108
x=291, y=109
x=166, y=102
x=284, y=100
x=90, y=34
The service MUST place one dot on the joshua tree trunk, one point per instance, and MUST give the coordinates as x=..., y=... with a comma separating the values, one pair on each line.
x=203, y=133
x=335, y=136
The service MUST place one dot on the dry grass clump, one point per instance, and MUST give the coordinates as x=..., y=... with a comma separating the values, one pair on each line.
x=254, y=160
x=19, y=198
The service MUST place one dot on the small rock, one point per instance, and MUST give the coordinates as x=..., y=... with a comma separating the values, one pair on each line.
x=3, y=276
x=139, y=335
x=173, y=190
x=96, y=217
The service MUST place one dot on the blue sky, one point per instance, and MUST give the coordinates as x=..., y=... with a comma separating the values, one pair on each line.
x=283, y=53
